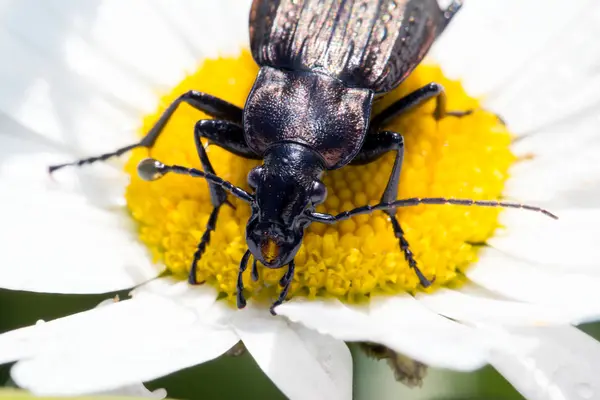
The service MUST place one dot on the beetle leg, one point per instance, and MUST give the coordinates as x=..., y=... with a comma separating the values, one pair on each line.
x=225, y=134
x=414, y=99
x=210, y=227
x=285, y=282
x=206, y=103
x=231, y=137
x=241, y=300
x=375, y=146
x=254, y=274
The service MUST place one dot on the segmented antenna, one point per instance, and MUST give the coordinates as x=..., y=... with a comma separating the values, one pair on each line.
x=150, y=169
x=415, y=201
x=91, y=160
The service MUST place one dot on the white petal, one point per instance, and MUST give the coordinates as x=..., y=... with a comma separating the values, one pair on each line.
x=87, y=72
x=169, y=294
x=563, y=172
x=24, y=154
x=302, y=363
x=567, y=244
x=198, y=298
x=117, y=345
x=465, y=307
x=563, y=365
x=152, y=48
x=561, y=80
x=62, y=238
x=504, y=40
x=573, y=293
x=25, y=160
x=225, y=22
x=58, y=243
x=42, y=94
x=400, y=323
x=137, y=390
x=60, y=29
x=530, y=76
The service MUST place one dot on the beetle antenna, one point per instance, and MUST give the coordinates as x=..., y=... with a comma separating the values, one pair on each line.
x=328, y=218
x=150, y=169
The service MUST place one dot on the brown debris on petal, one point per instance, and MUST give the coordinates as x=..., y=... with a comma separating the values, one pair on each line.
x=406, y=370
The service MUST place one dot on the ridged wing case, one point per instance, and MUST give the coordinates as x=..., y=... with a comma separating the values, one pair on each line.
x=372, y=44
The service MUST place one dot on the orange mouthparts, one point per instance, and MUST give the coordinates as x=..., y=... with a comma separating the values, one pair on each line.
x=269, y=250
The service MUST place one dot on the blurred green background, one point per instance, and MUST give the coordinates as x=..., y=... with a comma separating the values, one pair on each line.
x=213, y=380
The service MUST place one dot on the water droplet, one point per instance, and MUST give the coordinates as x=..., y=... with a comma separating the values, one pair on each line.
x=386, y=17
x=585, y=390
x=392, y=5
x=363, y=7
x=150, y=169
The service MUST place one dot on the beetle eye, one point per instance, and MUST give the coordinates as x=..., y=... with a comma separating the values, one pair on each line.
x=319, y=193
x=254, y=177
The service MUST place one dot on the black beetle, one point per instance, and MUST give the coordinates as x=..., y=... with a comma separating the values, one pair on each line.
x=322, y=63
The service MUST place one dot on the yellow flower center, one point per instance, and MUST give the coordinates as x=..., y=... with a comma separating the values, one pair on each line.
x=456, y=157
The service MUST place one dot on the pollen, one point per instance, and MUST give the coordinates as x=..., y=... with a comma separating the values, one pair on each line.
x=465, y=157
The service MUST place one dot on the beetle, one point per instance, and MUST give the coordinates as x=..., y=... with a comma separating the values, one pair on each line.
x=322, y=64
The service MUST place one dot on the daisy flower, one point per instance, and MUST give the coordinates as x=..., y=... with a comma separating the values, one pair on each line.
x=94, y=76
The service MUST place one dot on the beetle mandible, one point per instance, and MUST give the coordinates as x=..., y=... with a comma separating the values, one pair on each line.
x=322, y=63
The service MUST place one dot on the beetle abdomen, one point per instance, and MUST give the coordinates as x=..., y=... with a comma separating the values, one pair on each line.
x=307, y=108
x=371, y=44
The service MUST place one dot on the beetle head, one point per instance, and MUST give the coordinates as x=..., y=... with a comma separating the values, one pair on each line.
x=287, y=185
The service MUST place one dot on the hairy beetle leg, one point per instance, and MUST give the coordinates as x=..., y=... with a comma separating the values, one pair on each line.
x=414, y=99
x=230, y=136
x=254, y=274
x=408, y=255
x=241, y=300
x=377, y=144
x=210, y=227
x=226, y=133
x=285, y=282
x=206, y=103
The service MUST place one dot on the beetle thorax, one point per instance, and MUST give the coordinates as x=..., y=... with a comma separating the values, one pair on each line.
x=310, y=109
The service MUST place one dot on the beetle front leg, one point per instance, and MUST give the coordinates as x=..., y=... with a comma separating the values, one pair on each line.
x=414, y=99
x=285, y=282
x=206, y=103
x=241, y=300
x=377, y=144
x=229, y=136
